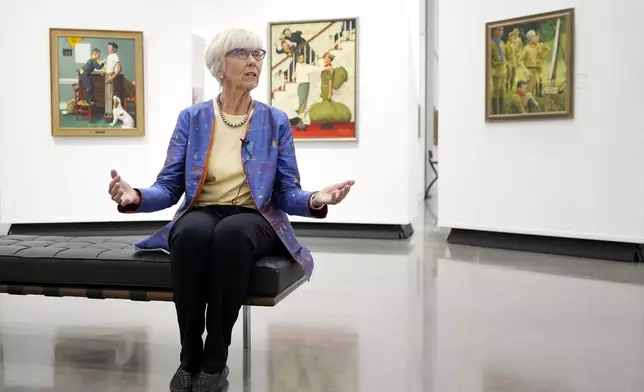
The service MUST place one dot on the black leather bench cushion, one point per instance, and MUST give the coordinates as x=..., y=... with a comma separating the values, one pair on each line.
x=113, y=262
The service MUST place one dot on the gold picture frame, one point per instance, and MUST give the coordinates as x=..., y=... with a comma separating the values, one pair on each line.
x=88, y=65
x=529, y=64
x=322, y=105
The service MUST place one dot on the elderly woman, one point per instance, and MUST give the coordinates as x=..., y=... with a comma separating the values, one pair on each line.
x=234, y=159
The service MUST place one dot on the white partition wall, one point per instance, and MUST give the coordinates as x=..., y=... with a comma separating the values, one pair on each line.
x=4, y=227
x=198, y=67
x=579, y=178
x=430, y=82
x=48, y=179
x=385, y=161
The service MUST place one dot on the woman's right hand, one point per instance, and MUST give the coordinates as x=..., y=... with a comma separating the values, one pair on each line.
x=122, y=192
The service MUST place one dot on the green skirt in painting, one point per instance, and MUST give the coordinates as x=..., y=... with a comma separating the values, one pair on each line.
x=328, y=110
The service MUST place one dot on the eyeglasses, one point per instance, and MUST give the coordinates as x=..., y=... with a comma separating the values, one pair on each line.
x=243, y=54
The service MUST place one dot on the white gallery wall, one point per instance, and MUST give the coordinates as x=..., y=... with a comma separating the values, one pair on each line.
x=432, y=18
x=581, y=178
x=198, y=74
x=429, y=34
x=46, y=179
x=386, y=162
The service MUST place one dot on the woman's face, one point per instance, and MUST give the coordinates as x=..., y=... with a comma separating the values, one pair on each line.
x=327, y=59
x=242, y=70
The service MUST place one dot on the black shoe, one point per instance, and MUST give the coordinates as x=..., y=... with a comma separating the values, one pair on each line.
x=210, y=382
x=181, y=381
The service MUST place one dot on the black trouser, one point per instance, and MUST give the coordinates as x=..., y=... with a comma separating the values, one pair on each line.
x=212, y=252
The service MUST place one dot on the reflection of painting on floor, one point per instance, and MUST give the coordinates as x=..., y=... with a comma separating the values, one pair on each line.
x=313, y=77
x=95, y=77
x=529, y=66
x=98, y=357
x=312, y=360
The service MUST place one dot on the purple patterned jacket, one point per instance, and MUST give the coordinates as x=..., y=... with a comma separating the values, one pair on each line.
x=269, y=161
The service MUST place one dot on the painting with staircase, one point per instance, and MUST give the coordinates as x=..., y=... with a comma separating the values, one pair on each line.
x=313, y=77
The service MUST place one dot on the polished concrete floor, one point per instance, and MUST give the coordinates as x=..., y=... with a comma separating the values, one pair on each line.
x=378, y=316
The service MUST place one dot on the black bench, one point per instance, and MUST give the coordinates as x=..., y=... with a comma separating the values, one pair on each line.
x=109, y=267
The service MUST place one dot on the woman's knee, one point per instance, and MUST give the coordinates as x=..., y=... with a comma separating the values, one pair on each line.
x=195, y=229
x=244, y=236
x=231, y=237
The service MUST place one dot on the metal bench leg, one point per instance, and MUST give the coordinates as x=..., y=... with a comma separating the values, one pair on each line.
x=246, y=339
x=246, y=310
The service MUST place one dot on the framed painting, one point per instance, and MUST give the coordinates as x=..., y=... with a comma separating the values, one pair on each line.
x=313, y=77
x=530, y=67
x=96, y=83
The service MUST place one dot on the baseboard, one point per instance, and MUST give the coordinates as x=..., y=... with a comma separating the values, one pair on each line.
x=141, y=228
x=81, y=229
x=353, y=230
x=593, y=249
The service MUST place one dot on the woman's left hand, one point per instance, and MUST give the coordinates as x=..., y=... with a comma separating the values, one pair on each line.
x=332, y=194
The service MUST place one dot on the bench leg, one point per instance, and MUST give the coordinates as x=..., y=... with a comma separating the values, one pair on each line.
x=246, y=316
x=246, y=340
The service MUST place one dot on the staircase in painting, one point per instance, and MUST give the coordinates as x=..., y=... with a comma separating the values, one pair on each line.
x=333, y=39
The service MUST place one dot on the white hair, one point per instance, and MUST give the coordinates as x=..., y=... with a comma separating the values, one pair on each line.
x=223, y=43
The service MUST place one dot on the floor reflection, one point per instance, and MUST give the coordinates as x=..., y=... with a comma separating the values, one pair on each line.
x=378, y=316
x=312, y=359
x=92, y=359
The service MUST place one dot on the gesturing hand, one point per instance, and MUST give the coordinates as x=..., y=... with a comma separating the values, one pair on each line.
x=332, y=194
x=121, y=192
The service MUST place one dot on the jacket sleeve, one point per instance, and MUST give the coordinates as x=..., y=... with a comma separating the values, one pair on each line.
x=170, y=183
x=287, y=189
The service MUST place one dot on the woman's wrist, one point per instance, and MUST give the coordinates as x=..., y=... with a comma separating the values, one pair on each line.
x=313, y=203
x=137, y=200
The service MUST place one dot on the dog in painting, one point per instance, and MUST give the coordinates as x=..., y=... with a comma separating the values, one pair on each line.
x=120, y=114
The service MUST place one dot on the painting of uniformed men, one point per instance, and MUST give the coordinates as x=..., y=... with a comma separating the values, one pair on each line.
x=529, y=64
x=313, y=77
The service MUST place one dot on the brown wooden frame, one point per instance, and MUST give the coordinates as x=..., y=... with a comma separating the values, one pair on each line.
x=56, y=130
x=569, y=14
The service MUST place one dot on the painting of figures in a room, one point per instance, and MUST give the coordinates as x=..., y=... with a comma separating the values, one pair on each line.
x=529, y=64
x=313, y=77
x=96, y=83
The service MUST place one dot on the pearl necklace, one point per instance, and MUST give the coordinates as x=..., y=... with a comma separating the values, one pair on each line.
x=230, y=123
